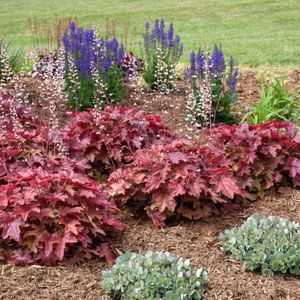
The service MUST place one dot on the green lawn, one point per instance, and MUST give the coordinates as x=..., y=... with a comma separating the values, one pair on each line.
x=255, y=32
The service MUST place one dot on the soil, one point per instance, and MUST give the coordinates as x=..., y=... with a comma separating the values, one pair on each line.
x=197, y=241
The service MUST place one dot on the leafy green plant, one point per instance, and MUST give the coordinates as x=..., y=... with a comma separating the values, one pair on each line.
x=155, y=275
x=275, y=103
x=270, y=244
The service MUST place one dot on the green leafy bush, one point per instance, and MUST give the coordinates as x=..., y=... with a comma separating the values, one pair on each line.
x=270, y=244
x=156, y=275
x=275, y=103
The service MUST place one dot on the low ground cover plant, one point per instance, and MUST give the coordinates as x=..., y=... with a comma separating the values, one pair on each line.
x=213, y=87
x=155, y=275
x=266, y=244
x=161, y=51
x=275, y=103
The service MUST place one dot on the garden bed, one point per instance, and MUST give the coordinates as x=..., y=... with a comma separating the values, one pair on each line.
x=194, y=240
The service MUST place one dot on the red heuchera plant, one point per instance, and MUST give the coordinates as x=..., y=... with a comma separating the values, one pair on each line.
x=19, y=127
x=176, y=178
x=49, y=209
x=260, y=156
x=50, y=212
x=108, y=138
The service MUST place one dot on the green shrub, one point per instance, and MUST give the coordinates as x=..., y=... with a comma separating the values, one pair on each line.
x=270, y=244
x=275, y=103
x=156, y=275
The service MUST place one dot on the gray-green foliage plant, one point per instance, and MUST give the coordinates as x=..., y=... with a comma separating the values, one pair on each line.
x=155, y=275
x=267, y=244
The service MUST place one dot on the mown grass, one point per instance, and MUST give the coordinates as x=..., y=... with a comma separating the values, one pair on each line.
x=255, y=32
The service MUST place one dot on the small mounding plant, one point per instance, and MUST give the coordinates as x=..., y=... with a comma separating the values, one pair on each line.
x=177, y=178
x=269, y=244
x=260, y=156
x=161, y=52
x=155, y=275
x=213, y=87
x=108, y=138
x=275, y=103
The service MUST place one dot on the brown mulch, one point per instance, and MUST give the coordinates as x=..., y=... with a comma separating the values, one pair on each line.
x=194, y=240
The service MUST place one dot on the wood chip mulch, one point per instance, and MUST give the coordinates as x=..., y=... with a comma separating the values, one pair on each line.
x=194, y=240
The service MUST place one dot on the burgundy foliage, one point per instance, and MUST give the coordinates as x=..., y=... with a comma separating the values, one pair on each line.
x=176, y=178
x=260, y=156
x=108, y=138
x=50, y=211
x=19, y=128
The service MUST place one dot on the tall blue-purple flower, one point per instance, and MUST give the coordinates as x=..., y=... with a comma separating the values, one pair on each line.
x=161, y=50
x=223, y=81
x=233, y=76
x=92, y=57
x=217, y=63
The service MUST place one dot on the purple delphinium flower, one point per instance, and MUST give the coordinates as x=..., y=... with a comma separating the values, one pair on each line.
x=158, y=35
x=216, y=68
x=88, y=52
x=147, y=25
x=161, y=47
x=233, y=75
x=217, y=64
x=171, y=35
x=200, y=63
x=192, y=69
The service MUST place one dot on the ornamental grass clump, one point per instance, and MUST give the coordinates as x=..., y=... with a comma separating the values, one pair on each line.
x=93, y=68
x=275, y=103
x=161, y=52
x=267, y=244
x=213, y=87
x=155, y=275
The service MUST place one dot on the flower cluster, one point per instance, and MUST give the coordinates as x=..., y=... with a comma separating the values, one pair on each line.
x=212, y=69
x=162, y=50
x=5, y=68
x=93, y=68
